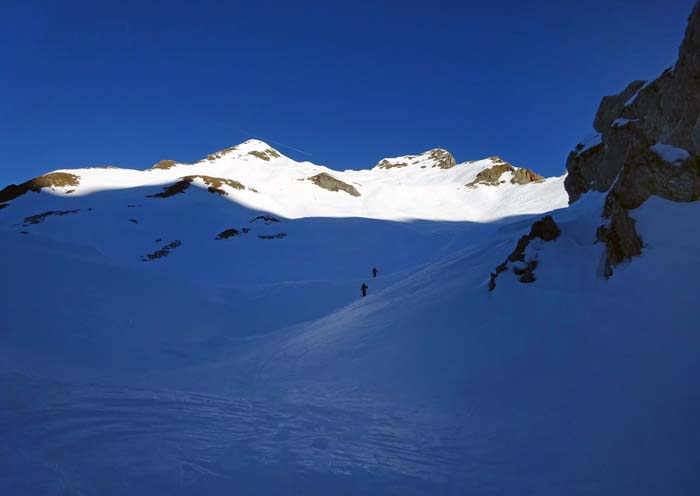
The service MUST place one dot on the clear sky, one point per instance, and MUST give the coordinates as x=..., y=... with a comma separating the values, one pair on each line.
x=339, y=83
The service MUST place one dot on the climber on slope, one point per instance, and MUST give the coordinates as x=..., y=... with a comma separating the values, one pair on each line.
x=374, y=272
x=364, y=289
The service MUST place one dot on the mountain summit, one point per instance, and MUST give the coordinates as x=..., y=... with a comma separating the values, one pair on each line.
x=437, y=157
x=429, y=186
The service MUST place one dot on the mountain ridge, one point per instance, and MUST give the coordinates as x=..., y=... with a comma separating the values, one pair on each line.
x=430, y=185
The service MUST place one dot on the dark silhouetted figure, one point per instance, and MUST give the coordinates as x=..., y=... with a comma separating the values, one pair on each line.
x=364, y=289
x=374, y=272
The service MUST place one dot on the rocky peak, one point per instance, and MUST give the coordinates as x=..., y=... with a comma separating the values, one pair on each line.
x=435, y=158
x=491, y=176
x=251, y=148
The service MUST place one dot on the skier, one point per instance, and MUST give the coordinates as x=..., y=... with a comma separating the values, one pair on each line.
x=374, y=272
x=364, y=289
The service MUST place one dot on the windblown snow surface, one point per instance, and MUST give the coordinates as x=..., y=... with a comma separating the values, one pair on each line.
x=251, y=365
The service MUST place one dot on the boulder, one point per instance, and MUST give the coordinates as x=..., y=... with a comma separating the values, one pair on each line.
x=326, y=181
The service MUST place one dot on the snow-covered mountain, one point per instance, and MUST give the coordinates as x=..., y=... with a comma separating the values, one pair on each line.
x=199, y=329
x=250, y=206
x=428, y=186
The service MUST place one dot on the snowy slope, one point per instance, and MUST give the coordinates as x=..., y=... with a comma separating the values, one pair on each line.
x=279, y=185
x=251, y=366
x=117, y=213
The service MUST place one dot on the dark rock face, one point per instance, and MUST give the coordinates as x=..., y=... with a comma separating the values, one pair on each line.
x=326, y=181
x=620, y=236
x=663, y=111
x=585, y=166
x=612, y=106
x=623, y=163
x=546, y=230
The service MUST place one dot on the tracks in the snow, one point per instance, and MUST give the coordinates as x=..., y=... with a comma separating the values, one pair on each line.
x=175, y=440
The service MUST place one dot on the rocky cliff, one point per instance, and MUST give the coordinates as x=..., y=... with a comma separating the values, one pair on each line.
x=647, y=143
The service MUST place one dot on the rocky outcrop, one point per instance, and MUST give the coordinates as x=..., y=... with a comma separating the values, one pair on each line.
x=214, y=186
x=220, y=153
x=163, y=252
x=546, y=230
x=648, y=144
x=267, y=153
x=267, y=219
x=492, y=175
x=435, y=158
x=51, y=180
x=164, y=165
x=442, y=159
x=228, y=233
x=612, y=106
x=620, y=236
x=272, y=236
x=39, y=218
x=390, y=164
x=525, y=176
x=174, y=189
x=326, y=181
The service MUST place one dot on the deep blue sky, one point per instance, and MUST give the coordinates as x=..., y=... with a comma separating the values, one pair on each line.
x=131, y=82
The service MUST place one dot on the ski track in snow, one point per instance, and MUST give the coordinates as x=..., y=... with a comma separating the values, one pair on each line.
x=182, y=439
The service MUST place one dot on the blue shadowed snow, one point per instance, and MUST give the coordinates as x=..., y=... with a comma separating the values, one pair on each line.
x=266, y=373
